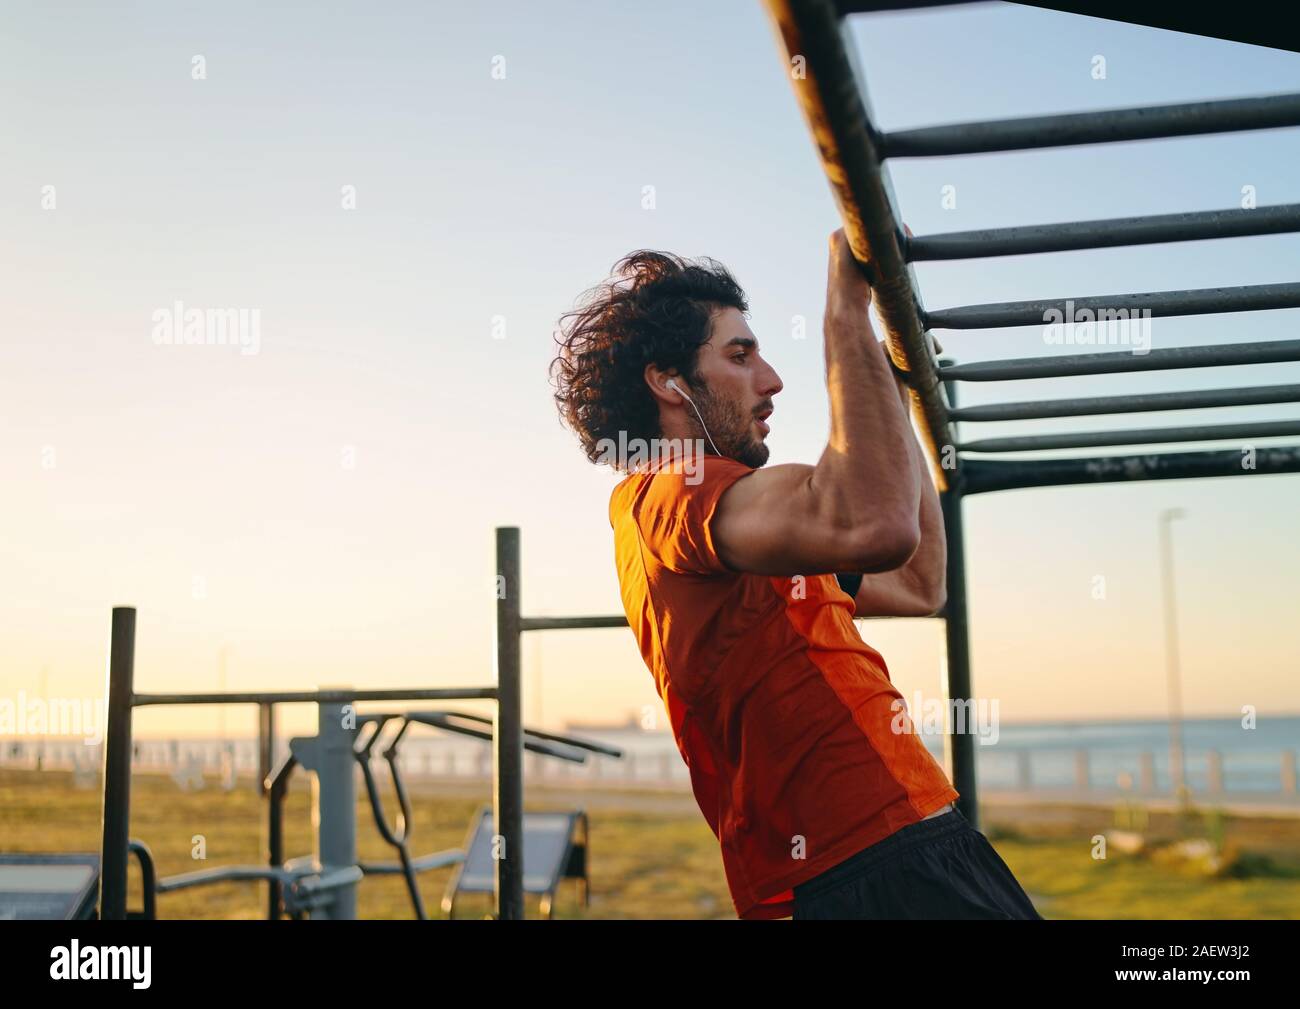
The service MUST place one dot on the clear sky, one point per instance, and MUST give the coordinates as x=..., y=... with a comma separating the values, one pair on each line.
x=322, y=510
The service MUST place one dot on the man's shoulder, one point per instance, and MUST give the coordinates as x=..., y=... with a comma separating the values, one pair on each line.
x=673, y=483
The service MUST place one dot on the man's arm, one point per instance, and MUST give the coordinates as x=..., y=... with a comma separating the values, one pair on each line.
x=919, y=587
x=858, y=508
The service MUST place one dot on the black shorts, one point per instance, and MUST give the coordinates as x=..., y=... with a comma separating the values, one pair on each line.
x=937, y=868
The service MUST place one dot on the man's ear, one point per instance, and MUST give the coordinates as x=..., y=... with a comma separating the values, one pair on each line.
x=657, y=380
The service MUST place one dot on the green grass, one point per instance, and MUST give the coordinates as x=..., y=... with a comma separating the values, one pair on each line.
x=645, y=864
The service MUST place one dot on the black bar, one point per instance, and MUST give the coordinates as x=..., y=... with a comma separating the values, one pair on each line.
x=1117, y=231
x=833, y=99
x=1117, y=361
x=1160, y=304
x=985, y=476
x=445, y=720
x=961, y=745
x=1148, y=122
x=1148, y=436
x=321, y=696
x=508, y=749
x=1140, y=403
x=569, y=623
x=277, y=787
x=148, y=880
x=115, y=842
x=265, y=745
x=846, y=7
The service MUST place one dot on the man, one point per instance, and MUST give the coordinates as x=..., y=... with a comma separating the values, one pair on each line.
x=825, y=801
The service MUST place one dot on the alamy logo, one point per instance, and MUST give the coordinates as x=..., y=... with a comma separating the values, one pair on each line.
x=181, y=326
x=667, y=455
x=102, y=963
x=1092, y=326
x=57, y=716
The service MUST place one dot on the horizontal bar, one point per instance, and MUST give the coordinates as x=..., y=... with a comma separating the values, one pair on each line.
x=1149, y=436
x=569, y=623
x=224, y=874
x=1148, y=122
x=1140, y=403
x=1116, y=231
x=846, y=7
x=982, y=476
x=1203, y=301
x=1113, y=362
x=434, y=860
x=320, y=696
x=443, y=719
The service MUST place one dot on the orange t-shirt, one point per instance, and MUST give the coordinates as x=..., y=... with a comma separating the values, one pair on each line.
x=785, y=717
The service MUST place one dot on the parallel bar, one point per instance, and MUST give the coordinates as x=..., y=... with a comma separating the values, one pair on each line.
x=985, y=476
x=1160, y=304
x=1149, y=436
x=1142, y=123
x=1116, y=231
x=1117, y=361
x=1141, y=403
x=834, y=103
x=321, y=696
x=507, y=746
x=116, y=814
x=568, y=623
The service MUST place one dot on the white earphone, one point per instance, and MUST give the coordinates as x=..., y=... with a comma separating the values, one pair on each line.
x=671, y=384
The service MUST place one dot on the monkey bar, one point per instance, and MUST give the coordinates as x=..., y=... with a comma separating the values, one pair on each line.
x=831, y=92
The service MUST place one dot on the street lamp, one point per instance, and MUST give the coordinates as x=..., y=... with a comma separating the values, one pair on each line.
x=1177, y=768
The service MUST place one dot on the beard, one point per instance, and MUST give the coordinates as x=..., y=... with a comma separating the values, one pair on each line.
x=732, y=429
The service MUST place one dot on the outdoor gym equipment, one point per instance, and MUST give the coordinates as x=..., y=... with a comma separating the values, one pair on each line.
x=324, y=884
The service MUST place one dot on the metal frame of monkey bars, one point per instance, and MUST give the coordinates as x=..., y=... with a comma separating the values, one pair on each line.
x=832, y=96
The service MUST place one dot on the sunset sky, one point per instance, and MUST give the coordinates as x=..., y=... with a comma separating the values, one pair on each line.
x=323, y=510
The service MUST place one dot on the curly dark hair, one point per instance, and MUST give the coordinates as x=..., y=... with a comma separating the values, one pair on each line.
x=657, y=309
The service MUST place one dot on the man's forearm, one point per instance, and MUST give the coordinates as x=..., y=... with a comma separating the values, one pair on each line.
x=930, y=561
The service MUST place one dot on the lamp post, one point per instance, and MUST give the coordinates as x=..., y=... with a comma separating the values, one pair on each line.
x=1177, y=768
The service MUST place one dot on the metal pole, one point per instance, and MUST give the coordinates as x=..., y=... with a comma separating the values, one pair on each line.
x=321, y=696
x=1148, y=122
x=960, y=746
x=1117, y=231
x=265, y=746
x=1177, y=770
x=334, y=795
x=115, y=840
x=835, y=105
x=1113, y=362
x=1106, y=307
x=985, y=476
x=265, y=788
x=1246, y=433
x=507, y=736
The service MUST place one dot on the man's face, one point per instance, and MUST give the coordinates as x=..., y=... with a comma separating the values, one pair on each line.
x=733, y=389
